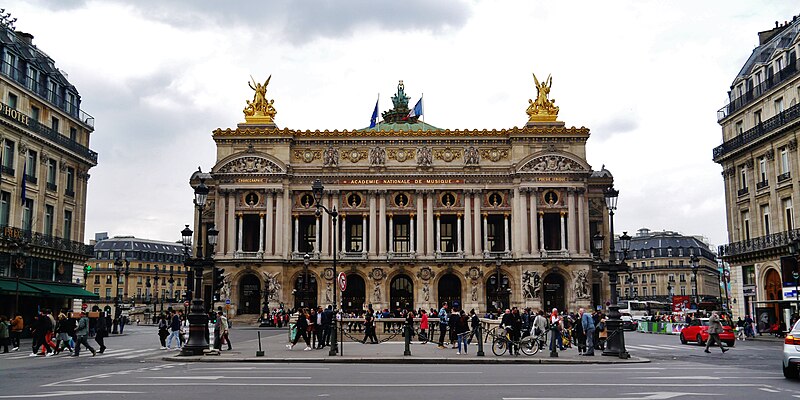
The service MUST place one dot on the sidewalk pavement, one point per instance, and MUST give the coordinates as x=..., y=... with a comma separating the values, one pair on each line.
x=390, y=352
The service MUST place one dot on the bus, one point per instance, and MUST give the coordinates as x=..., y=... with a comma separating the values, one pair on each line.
x=635, y=308
x=658, y=308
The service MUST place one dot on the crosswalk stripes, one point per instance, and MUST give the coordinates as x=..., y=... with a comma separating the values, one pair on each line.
x=122, y=354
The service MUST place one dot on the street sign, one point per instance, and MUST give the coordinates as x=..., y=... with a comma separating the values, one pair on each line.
x=342, y=281
x=227, y=301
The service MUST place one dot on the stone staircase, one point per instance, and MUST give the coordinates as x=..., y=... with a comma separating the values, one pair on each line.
x=245, y=320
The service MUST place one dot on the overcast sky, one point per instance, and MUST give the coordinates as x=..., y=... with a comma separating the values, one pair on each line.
x=647, y=78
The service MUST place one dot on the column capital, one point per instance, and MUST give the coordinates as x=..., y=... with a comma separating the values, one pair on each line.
x=295, y=215
x=437, y=215
x=505, y=215
x=571, y=190
x=580, y=190
x=485, y=215
x=372, y=192
x=390, y=215
x=261, y=215
x=541, y=213
x=563, y=213
x=458, y=215
x=239, y=215
x=365, y=215
x=477, y=191
x=411, y=215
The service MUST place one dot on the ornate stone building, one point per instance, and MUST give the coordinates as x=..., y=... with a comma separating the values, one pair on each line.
x=485, y=218
x=759, y=161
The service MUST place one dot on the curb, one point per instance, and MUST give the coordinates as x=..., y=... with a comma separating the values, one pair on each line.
x=404, y=360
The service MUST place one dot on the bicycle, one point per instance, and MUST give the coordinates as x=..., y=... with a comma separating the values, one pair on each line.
x=501, y=343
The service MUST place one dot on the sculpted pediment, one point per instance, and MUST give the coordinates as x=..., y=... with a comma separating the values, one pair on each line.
x=250, y=164
x=554, y=162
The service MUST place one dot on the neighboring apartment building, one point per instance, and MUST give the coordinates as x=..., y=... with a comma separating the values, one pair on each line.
x=152, y=276
x=760, y=170
x=44, y=164
x=661, y=267
x=484, y=218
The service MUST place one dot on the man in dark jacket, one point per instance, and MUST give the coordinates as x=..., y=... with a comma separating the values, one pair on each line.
x=101, y=331
x=43, y=326
x=327, y=325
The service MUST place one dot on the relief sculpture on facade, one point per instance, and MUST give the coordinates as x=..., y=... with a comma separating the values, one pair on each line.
x=331, y=157
x=424, y=156
x=272, y=284
x=531, y=284
x=552, y=163
x=581, y=286
x=249, y=165
x=377, y=156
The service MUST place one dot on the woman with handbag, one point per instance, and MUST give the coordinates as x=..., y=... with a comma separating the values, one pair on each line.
x=302, y=330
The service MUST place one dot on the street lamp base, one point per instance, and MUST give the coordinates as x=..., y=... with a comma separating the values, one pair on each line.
x=198, y=324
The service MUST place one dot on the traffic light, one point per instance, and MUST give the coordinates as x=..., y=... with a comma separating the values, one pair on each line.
x=219, y=282
x=87, y=269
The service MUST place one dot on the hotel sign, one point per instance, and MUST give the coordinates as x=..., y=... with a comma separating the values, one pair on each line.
x=14, y=114
x=400, y=181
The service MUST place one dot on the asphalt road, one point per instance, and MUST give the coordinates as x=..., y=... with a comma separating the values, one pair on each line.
x=751, y=370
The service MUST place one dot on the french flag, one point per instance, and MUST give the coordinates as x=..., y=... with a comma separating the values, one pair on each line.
x=417, y=110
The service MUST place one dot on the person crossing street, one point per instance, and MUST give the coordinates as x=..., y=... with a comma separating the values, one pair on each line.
x=82, y=333
x=714, y=329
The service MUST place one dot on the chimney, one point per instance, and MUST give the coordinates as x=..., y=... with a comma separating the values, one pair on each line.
x=26, y=38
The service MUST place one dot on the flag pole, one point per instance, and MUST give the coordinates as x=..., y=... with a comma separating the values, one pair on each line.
x=422, y=102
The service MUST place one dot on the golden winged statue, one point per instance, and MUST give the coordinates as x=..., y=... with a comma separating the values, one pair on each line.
x=259, y=110
x=543, y=109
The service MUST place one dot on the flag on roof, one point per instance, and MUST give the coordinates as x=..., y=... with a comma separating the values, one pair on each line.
x=417, y=110
x=24, y=180
x=374, y=120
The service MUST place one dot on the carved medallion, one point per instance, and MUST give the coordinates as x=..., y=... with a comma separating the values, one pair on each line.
x=377, y=274
x=307, y=155
x=425, y=273
x=401, y=155
x=494, y=154
x=447, y=154
x=328, y=273
x=356, y=155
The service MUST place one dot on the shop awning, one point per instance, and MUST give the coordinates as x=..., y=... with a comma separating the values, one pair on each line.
x=9, y=286
x=57, y=290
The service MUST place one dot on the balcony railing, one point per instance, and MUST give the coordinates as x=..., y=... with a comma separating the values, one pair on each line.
x=742, y=192
x=784, y=177
x=770, y=241
x=7, y=170
x=45, y=94
x=48, y=133
x=52, y=186
x=784, y=118
x=758, y=90
x=761, y=185
x=9, y=233
x=30, y=179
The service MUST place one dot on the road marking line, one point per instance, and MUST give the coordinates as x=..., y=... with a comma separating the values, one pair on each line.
x=418, y=384
x=216, y=377
x=259, y=369
x=422, y=372
x=769, y=390
x=66, y=393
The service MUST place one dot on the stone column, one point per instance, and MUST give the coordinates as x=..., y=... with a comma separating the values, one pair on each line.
x=563, y=234
x=421, y=224
x=325, y=244
x=363, y=233
x=467, y=223
x=373, y=232
x=231, y=221
x=317, y=235
x=438, y=233
x=287, y=220
x=411, y=233
x=279, y=223
x=382, y=223
x=541, y=232
x=240, y=219
x=429, y=245
x=261, y=234
x=506, y=247
x=391, y=233
x=219, y=221
x=478, y=199
x=582, y=231
x=533, y=227
x=296, y=248
x=571, y=214
x=517, y=218
x=486, y=248
x=270, y=225
x=458, y=233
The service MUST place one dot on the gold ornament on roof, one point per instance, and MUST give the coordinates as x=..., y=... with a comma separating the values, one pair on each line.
x=543, y=109
x=260, y=110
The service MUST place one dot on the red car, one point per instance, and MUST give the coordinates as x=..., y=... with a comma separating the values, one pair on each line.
x=697, y=331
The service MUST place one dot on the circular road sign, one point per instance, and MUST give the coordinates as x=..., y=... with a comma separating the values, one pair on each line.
x=227, y=301
x=342, y=281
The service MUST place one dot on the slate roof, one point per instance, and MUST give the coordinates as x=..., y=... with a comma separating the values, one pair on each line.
x=130, y=243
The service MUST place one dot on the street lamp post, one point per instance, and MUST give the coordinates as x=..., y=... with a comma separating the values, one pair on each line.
x=695, y=263
x=317, y=189
x=171, y=286
x=615, y=345
x=156, y=294
x=19, y=266
x=117, y=272
x=304, y=295
x=198, y=319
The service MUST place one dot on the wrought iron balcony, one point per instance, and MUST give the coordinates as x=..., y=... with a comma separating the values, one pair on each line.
x=48, y=133
x=754, y=93
x=763, y=184
x=9, y=233
x=52, y=186
x=784, y=177
x=742, y=192
x=789, y=116
x=774, y=241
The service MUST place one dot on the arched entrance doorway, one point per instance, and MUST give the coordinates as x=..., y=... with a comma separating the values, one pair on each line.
x=305, y=295
x=498, y=292
x=401, y=293
x=354, y=296
x=449, y=290
x=772, y=291
x=554, y=292
x=249, y=294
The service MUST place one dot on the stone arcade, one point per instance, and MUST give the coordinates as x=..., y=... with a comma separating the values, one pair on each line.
x=485, y=218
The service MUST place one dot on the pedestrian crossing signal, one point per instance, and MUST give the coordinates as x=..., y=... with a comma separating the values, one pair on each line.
x=87, y=268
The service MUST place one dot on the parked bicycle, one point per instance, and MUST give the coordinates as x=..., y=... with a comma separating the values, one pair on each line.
x=501, y=343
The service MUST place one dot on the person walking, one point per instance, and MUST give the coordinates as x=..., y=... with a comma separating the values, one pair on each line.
x=423, y=325
x=4, y=333
x=43, y=326
x=63, y=331
x=602, y=333
x=82, y=333
x=451, y=325
x=475, y=324
x=327, y=326
x=578, y=334
x=714, y=329
x=301, y=326
x=217, y=333
x=369, y=327
x=587, y=322
x=175, y=331
x=539, y=328
x=16, y=331
x=101, y=332
x=163, y=331
x=442, y=324
x=461, y=330
x=555, y=332
x=224, y=326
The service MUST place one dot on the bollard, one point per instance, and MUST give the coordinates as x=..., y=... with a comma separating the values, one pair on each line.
x=480, y=341
x=407, y=351
x=260, y=352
